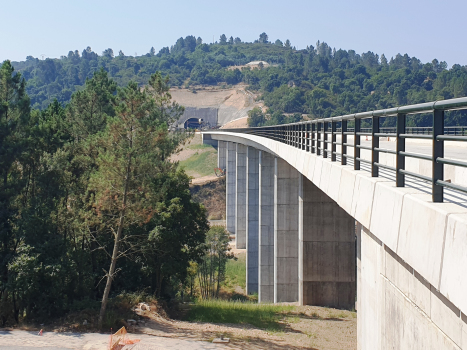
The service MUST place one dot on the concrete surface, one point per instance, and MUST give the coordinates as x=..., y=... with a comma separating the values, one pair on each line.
x=252, y=213
x=222, y=155
x=285, y=232
x=266, y=227
x=241, y=204
x=326, y=250
x=208, y=114
x=397, y=307
x=231, y=183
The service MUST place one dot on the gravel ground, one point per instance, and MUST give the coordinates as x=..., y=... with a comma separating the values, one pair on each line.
x=24, y=340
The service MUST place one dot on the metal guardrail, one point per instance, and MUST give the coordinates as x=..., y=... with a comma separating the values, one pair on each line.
x=424, y=130
x=315, y=136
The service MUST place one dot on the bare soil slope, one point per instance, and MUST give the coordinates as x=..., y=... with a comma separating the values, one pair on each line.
x=203, y=97
x=236, y=124
x=231, y=104
x=212, y=196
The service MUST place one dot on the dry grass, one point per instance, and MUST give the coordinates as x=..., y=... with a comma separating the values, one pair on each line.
x=290, y=327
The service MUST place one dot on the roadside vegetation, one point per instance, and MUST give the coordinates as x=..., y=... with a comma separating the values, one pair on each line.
x=202, y=162
x=90, y=204
x=197, y=159
x=264, y=316
x=235, y=272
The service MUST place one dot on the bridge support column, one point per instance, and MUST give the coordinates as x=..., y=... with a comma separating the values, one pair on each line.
x=231, y=183
x=327, y=250
x=286, y=180
x=266, y=227
x=252, y=200
x=222, y=154
x=241, y=205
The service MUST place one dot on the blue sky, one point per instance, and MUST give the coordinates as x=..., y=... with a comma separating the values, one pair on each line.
x=425, y=29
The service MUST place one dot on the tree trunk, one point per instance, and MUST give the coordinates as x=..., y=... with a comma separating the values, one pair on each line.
x=113, y=263
x=218, y=277
x=118, y=236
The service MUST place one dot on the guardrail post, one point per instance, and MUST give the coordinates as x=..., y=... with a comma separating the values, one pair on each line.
x=295, y=135
x=343, y=141
x=374, y=144
x=313, y=138
x=400, y=147
x=333, y=140
x=289, y=130
x=318, y=138
x=356, y=142
x=289, y=134
x=325, y=138
x=438, y=152
x=302, y=139
x=300, y=135
x=292, y=135
x=307, y=137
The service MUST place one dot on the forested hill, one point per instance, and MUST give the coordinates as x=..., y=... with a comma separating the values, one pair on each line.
x=319, y=81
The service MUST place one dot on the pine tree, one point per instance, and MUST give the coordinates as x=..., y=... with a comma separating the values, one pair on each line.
x=14, y=114
x=133, y=151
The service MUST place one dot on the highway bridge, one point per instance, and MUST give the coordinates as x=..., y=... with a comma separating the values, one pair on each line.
x=341, y=212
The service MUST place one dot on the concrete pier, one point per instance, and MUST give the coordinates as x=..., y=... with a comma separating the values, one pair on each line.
x=252, y=185
x=326, y=250
x=266, y=228
x=285, y=232
x=222, y=155
x=240, y=208
x=231, y=183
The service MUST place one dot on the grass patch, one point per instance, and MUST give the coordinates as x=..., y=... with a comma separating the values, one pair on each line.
x=235, y=272
x=264, y=316
x=293, y=319
x=200, y=146
x=201, y=163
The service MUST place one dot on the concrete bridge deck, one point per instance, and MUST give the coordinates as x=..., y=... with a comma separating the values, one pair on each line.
x=406, y=261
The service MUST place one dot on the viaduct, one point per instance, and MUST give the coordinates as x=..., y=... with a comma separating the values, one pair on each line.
x=342, y=212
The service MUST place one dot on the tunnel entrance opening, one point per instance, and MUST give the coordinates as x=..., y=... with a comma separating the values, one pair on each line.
x=193, y=123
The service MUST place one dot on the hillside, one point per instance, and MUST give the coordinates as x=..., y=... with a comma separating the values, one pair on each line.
x=319, y=81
